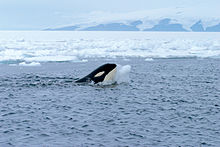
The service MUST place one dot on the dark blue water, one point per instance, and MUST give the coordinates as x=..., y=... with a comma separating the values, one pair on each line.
x=167, y=103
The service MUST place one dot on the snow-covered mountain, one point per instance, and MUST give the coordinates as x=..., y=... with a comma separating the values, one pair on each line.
x=198, y=19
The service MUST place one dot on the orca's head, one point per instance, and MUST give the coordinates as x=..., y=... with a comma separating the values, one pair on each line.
x=105, y=72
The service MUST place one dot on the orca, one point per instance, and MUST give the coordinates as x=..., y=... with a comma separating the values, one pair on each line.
x=104, y=73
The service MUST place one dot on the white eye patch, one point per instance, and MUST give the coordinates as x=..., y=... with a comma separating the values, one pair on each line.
x=99, y=74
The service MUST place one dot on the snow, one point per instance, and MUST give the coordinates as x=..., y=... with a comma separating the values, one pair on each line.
x=187, y=16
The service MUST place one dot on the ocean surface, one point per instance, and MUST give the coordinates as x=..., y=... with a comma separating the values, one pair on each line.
x=169, y=97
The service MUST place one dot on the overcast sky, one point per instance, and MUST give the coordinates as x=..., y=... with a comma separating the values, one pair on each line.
x=40, y=14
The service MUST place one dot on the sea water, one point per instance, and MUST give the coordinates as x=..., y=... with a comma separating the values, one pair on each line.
x=167, y=91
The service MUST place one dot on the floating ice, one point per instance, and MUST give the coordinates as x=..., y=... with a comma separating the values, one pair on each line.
x=29, y=64
x=122, y=74
x=48, y=58
x=80, y=46
x=149, y=59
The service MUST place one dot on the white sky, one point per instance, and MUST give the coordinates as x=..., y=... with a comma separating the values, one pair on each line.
x=40, y=14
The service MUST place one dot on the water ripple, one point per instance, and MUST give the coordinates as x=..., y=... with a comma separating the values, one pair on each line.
x=166, y=103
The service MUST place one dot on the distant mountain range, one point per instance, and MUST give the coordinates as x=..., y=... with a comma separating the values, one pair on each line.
x=165, y=24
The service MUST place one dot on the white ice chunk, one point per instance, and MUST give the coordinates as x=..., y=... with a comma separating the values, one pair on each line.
x=29, y=64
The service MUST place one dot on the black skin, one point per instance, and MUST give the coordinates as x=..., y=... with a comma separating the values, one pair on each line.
x=90, y=77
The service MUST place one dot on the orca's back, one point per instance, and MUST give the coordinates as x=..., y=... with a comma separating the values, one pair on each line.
x=104, y=72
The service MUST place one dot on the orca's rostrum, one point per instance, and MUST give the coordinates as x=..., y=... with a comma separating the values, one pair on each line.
x=103, y=73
